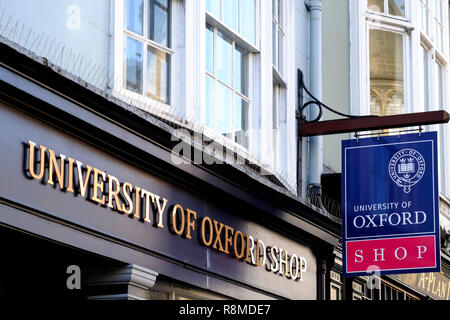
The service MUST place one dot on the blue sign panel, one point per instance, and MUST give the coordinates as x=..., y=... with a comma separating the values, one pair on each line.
x=390, y=191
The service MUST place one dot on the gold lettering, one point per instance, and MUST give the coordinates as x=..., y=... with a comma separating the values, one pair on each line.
x=443, y=289
x=239, y=254
x=284, y=262
x=228, y=238
x=83, y=182
x=249, y=257
x=203, y=233
x=147, y=195
x=98, y=186
x=160, y=210
x=303, y=267
x=190, y=223
x=218, y=231
x=438, y=289
x=126, y=190
x=421, y=283
x=113, y=193
x=448, y=290
x=294, y=272
x=70, y=175
x=137, y=202
x=274, y=253
x=53, y=166
x=431, y=280
x=178, y=208
x=31, y=161
x=260, y=243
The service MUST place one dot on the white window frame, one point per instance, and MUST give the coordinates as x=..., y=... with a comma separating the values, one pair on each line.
x=386, y=11
x=117, y=75
x=280, y=70
x=252, y=50
x=231, y=87
x=360, y=22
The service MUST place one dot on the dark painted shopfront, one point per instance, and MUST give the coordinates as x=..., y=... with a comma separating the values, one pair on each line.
x=85, y=183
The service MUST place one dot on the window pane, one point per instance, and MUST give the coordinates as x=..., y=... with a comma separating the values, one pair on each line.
x=213, y=7
x=248, y=20
x=375, y=106
x=157, y=74
x=231, y=13
x=280, y=13
x=438, y=36
x=375, y=5
x=241, y=71
x=224, y=110
x=424, y=14
x=438, y=9
x=134, y=15
x=440, y=86
x=133, y=53
x=274, y=46
x=275, y=102
x=241, y=121
x=158, y=26
x=386, y=68
x=280, y=52
x=397, y=7
x=208, y=102
x=395, y=104
x=224, y=57
x=209, y=50
x=424, y=79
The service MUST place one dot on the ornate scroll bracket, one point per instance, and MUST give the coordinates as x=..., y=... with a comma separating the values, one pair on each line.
x=314, y=101
x=314, y=127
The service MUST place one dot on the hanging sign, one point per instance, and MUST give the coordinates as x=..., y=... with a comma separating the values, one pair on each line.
x=390, y=205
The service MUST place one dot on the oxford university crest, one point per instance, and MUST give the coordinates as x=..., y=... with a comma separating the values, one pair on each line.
x=406, y=168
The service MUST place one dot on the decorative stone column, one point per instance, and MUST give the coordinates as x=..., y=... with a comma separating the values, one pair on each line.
x=130, y=282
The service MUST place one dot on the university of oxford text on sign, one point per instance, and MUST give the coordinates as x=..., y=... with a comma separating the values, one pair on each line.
x=390, y=203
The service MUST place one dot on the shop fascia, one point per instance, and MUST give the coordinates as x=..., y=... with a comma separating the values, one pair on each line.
x=125, y=198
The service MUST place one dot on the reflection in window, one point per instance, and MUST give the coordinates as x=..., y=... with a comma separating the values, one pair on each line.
x=213, y=7
x=240, y=71
x=146, y=71
x=231, y=13
x=424, y=13
x=158, y=26
x=241, y=121
x=238, y=15
x=439, y=25
x=209, y=50
x=391, y=7
x=375, y=105
x=375, y=5
x=278, y=34
x=223, y=107
x=386, y=70
x=134, y=16
x=157, y=74
x=224, y=58
x=424, y=79
x=227, y=87
x=133, y=53
x=395, y=104
x=209, y=102
x=397, y=7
